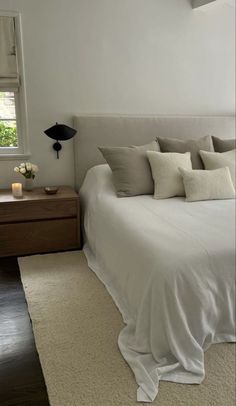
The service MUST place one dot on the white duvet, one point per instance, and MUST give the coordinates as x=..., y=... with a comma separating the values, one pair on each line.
x=170, y=267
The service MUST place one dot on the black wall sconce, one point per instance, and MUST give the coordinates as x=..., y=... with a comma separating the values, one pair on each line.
x=59, y=132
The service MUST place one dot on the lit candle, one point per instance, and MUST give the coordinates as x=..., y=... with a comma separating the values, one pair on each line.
x=16, y=189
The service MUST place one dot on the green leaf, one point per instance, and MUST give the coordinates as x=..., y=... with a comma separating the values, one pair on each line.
x=8, y=136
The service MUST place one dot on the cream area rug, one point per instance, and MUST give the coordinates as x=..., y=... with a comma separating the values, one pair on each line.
x=76, y=325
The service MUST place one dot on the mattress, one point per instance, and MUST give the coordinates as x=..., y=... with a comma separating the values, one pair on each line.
x=170, y=267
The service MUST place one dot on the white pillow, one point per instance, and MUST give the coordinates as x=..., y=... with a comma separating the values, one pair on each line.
x=215, y=160
x=167, y=179
x=207, y=185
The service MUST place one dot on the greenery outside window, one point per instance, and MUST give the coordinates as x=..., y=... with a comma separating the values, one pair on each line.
x=8, y=128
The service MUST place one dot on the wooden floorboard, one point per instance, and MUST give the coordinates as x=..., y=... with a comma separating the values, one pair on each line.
x=21, y=378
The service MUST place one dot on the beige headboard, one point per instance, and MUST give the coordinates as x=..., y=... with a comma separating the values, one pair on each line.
x=94, y=131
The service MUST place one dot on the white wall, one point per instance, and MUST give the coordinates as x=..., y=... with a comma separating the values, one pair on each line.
x=125, y=56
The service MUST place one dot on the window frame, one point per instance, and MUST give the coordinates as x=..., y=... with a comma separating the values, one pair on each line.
x=22, y=150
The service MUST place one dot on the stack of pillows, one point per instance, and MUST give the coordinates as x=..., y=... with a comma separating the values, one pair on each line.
x=201, y=169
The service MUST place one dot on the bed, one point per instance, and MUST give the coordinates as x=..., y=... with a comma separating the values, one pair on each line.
x=169, y=265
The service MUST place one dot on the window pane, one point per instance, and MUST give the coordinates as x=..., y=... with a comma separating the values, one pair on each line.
x=8, y=133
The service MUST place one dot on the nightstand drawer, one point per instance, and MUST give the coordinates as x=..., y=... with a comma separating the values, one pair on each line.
x=36, y=210
x=38, y=236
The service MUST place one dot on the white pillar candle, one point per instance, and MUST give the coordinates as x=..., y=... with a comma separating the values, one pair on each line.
x=16, y=189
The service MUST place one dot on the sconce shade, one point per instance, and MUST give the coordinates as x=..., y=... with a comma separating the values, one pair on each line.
x=60, y=132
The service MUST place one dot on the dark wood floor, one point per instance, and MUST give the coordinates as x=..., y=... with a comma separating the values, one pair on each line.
x=21, y=378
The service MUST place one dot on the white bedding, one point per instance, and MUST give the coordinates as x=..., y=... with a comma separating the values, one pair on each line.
x=170, y=267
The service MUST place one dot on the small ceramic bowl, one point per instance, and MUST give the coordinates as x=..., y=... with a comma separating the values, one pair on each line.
x=51, y=190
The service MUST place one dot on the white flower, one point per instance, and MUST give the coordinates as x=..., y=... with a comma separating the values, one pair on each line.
x=34, y=168
x=27, y=169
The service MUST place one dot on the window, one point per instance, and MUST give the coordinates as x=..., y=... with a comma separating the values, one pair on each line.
x=8, y=128
x=13, y=142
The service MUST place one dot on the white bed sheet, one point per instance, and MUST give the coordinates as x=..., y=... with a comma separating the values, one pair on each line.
x=170, y=268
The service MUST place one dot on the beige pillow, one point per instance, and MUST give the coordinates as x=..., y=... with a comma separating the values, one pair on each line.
x=207, y=185
x=193, y=146
x=167, y=179
x=130, y=168
x=223, y=145
x=216, y=160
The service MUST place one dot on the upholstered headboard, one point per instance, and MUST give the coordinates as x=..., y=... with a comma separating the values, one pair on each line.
x=94, y=131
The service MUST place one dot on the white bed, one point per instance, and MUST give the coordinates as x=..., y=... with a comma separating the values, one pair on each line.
x=170, y=267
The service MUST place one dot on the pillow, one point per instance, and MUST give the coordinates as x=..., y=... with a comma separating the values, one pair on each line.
x=130, y=168
x=193, y=146
x=207, y=185
x=223, y=145
x=215, y=160
x=167, y=179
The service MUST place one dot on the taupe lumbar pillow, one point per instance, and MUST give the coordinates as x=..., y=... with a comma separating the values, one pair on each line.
x=167, y=179
x=130, y=168
x=182, y=146
x=207, y=185
x=223, y=145
x=216, y=160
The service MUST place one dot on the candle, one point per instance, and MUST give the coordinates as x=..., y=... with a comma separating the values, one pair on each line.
x=16, y=189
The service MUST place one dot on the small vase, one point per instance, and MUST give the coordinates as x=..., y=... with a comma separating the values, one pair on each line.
x=29, y=184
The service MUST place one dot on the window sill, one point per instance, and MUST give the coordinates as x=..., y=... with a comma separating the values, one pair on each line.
x=14, y=157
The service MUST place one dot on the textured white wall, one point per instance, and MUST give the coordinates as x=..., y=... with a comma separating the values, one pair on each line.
x=126, y=56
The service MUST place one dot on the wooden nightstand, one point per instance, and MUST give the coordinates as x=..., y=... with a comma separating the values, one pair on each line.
x=39, y=222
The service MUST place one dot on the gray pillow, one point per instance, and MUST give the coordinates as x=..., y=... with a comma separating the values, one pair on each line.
x=223, y=145
x=192, y=146
x=130, y=168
